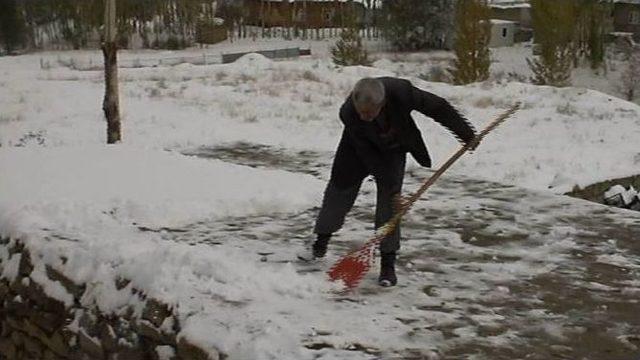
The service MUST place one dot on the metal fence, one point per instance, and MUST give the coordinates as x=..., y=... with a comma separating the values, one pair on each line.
x=204, y=59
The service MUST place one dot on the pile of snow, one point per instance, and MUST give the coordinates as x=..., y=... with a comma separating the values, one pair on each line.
x=254, y=62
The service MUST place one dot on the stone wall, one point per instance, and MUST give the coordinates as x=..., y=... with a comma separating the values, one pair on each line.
x=37, y=326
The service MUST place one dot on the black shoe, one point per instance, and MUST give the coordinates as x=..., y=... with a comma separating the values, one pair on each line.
x=387, y=270
x=317, y=250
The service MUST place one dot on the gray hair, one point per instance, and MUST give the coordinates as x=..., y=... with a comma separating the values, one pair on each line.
x=367, y=93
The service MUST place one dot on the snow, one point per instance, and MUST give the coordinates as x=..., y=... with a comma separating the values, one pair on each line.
x=165, y=352
x=53, y=289
x=626, y=195
x=254, y=62
x=75, y=185
x=507, y=4
x=11, y=264
x=293, y=104
x=110, y=210
x=502, y=22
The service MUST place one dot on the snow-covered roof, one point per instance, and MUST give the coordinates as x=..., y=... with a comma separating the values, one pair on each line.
x=507, y=4
x=502, y=22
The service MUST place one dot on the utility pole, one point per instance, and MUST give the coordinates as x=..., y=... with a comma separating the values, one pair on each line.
x=110, y=105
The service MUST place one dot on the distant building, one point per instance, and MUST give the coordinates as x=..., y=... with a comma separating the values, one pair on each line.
x=311, y=13
x=517, y=12
x=626, y=17
x=502, y=33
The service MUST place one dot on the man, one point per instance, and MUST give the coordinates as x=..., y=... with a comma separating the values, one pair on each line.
x=378, y=132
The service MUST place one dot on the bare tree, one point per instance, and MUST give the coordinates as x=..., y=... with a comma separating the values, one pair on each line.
x=110, y=105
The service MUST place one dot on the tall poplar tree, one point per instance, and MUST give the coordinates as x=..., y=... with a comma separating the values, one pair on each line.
x=473, y=34
x=554, y=29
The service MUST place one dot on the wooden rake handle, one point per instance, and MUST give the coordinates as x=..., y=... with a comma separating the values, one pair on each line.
x=390, y=226
x=353, y=266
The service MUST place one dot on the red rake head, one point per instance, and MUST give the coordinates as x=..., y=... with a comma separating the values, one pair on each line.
x=352, y=268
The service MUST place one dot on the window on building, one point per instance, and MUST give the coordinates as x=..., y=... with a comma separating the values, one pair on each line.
x=634, y=17
x=504, y=32
x=328, y=15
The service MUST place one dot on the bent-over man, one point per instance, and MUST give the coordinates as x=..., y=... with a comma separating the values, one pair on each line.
x=378, y=133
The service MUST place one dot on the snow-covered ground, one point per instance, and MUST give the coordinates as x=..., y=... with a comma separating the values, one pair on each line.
x=58, y=178
x=562, y=137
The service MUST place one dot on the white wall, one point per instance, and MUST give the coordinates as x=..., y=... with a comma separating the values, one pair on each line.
x=502, y=33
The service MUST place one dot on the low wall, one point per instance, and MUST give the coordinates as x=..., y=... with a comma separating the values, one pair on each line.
x=35, y=325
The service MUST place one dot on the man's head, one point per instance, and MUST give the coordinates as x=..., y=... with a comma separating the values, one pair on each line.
x=368, y=97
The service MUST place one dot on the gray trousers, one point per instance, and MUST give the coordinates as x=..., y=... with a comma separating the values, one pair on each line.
x=347, y=174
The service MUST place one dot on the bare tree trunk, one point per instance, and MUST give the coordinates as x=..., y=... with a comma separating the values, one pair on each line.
x=374, y=19
x=288, y=21
x=269, y=23
x=110, y=105
x=365, y=19
x=262, y=15
x=305, y=22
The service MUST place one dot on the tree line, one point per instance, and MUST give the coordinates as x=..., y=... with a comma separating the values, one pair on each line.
x=28, y=24
x=565, y=34
x=32, y=24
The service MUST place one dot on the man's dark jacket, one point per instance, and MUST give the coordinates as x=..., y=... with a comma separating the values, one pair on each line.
x=401, y=98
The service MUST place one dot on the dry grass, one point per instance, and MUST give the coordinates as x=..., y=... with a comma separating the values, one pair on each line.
x=244, y=78
x=310, y=76
x=153, y=92
x=4, y=118
x=567, y=109
x=251, y=118
x=162, y=84
x=484, y=102
x=221, y=76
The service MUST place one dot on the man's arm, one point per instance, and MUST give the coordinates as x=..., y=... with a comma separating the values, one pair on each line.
x=443, y=112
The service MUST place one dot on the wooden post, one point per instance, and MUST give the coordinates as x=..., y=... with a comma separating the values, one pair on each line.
x=110, y=105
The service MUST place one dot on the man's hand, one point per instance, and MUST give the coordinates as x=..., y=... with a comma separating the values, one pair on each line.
x=473, y=143
x=400, y=203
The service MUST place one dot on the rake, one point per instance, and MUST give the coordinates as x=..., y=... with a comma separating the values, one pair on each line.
x=351, y=268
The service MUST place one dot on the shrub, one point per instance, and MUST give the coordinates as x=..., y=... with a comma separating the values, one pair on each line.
x=349, y=49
